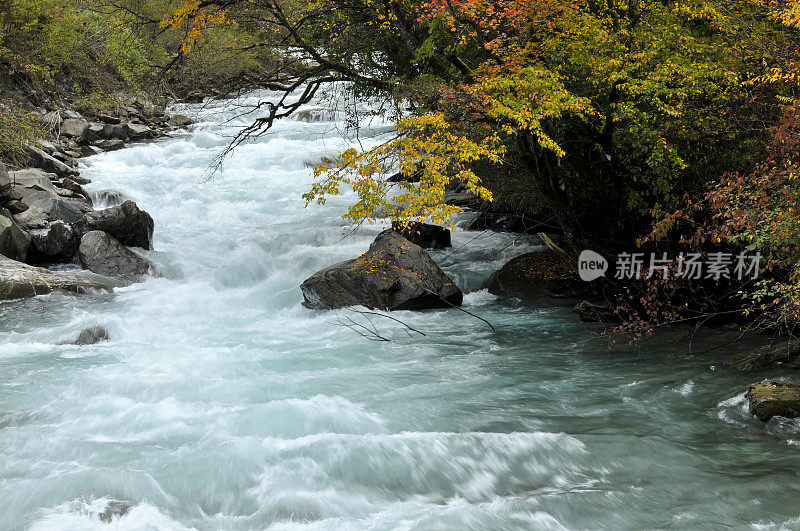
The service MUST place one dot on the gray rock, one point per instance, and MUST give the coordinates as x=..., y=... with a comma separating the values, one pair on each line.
x=773, y=399
x=110, y=145
x=75, y=188
x=14, y=242
x=56, y=242
x=49, y=163
x=71, y=115
x=94, y=132
x=5, y=182
x=125, y=222
x=115, y=132
x=139, y=131
x=34, y=179
x=74, y=127
x=44, y=210
x=18, y=280
x=179, y=120
x=100, y=253
x=394, y=274
x=108, y=119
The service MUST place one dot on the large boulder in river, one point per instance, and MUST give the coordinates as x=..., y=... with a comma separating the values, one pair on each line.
x=394, y=274
x=124, y=222
x=539, y=273
x=18, y=280
x=101, y=253
x=773, y=399
x=423, y=234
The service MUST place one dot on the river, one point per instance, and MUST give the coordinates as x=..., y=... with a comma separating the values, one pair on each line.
x=221, y=403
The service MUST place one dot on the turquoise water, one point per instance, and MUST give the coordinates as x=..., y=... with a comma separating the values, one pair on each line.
x=221, y=403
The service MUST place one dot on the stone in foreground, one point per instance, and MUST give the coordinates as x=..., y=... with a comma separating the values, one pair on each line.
x=394, y=274
x=773, y=399
x=103, y=254
x=18, y=281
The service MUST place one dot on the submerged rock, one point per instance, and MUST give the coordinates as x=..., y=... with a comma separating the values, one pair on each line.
x=773, y=399
x=89, y=336
x=18, y=280
x=114, y=509
x=394, y=274
x=101, y=253
x=179, y=120
x=425, y=235
x=125, y=222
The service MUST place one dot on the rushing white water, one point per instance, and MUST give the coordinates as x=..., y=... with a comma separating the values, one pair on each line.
x=221, y=403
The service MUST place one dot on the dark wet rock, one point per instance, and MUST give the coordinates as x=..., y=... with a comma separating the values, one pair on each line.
x=14, y=242
x=18, y=280
x=423, y=234
x=394, y=274
x=540, y=273
x=114, y=509
x=589, y=312
x=101, y=253
x=125, y=222
x=179, y=120
x=89, y=336
x=782, y=353
x=57, y=242
x=74, y=127
x=774, y=399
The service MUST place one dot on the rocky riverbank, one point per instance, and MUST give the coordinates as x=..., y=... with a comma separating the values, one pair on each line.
x=47, y=217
